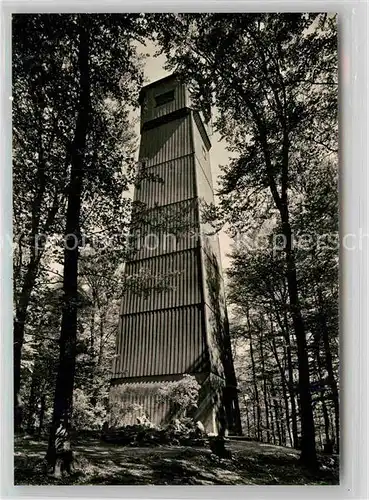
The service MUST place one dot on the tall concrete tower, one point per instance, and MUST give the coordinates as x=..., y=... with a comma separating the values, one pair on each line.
x=182, y=329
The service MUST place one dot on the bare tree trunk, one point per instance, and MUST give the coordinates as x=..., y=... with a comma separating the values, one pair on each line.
x=65, y=377
x=101, y=341
x=264, y=387
x=326, y=420
x=92, y=329
x=32, y=402
x=254, y=420
x=291, y=383
x=256, y=390
x=42, y=414
x=308, y=449
x=18, y=334
x=320, y=374
x=284, y=424
x=247, y=419
x=271, y=418
x=284, y=383
x=329, y=367
x=36, y=252
x=276, y=410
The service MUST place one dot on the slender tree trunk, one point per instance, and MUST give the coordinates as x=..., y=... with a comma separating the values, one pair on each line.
x=18, y=344
x=326, y=420
x=101, y=341
x=256, y=390
x=36, y=251
x=287, y=382
x=18, y=335
x=332, y=419
x=254, y=418
x=284, y=383
x=320, y=375
x=276, y=410
x=308, y=449
x=247, y=419
x=25, y=295
x=320, y=438
x=32, y=403
x=65, y=377
x=92, y=344
x=329, y=366
x=288, y=416
x=271, y=418
x=264, y=386
x=284, y=424
x=291, y=383
x=92, y=330
x=42, y=414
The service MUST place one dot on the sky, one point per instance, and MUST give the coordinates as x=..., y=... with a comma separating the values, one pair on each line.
x=154, y=70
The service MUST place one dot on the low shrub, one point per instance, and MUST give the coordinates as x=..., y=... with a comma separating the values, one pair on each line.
x=85, y=414
x=120, y=412
x=182, y=395
x=178, y=433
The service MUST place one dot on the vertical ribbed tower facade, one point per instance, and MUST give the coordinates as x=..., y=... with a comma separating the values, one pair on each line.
x=181, y=327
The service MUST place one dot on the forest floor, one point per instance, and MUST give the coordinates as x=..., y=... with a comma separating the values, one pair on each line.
x=100, y=463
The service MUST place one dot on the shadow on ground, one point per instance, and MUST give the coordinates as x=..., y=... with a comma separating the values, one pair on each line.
x=100, y=463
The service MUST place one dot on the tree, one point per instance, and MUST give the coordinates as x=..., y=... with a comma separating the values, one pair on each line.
x=41, y=126
x=40, y=355
x=68, y=335
x=103, y=58
x=317, y=214
x=46, y=90
x=273, y=80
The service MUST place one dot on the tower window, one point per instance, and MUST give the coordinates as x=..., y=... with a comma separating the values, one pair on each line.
x=164, y=98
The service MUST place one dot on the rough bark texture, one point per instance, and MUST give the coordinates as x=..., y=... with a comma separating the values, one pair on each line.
x=308, y=450
x=264, y=386
x=329, y=367
x=256, y=391
x=291, y=386
x=18, y=335
x=68, y=335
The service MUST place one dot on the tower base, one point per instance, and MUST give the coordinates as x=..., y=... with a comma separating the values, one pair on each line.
x=130, y=399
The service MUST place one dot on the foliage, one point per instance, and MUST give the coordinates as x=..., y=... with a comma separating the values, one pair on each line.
x=258, y=290
x=182, y=395
x=119, y=411
x=85, y=414
x=46, y=91
x=183, y=432
x=273, y=80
